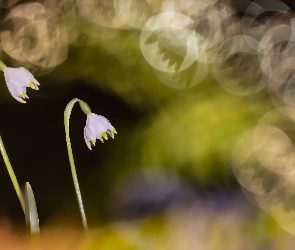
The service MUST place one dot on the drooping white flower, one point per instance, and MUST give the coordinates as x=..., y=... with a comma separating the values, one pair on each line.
x=17, y=80
x=97, y=127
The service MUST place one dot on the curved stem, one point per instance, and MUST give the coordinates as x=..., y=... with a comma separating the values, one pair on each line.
x=12, y=175
x=67, y=115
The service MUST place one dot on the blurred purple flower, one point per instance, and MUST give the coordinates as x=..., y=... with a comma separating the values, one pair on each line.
x=17, y=80
x=97, y=127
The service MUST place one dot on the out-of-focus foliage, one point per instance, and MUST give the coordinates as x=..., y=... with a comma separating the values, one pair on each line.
x=198, y=227
x=193, y=129
x=116, y=65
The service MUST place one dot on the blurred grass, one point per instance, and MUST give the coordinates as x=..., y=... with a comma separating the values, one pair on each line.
x=198, y=227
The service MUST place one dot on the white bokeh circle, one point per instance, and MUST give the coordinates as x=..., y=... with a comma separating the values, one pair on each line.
x=173, y=32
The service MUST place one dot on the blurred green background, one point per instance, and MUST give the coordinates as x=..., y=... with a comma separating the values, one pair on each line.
x=173, y=147
x=189, y=132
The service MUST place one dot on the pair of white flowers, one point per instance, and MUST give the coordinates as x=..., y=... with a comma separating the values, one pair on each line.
x=18, y=79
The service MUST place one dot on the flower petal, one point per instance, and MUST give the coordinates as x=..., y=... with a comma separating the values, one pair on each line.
x=17, y=80
x=97, y=127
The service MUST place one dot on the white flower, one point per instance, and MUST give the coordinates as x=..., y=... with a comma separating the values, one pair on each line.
x=17, y=80
x=97, y=127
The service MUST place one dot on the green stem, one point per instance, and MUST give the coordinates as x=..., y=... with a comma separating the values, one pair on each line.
x=2, y=65
x=67, y=115
x=12, y=175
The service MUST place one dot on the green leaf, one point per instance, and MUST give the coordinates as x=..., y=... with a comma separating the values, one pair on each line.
x=32, y=220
